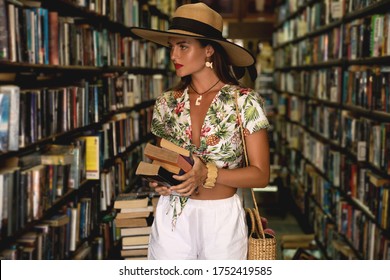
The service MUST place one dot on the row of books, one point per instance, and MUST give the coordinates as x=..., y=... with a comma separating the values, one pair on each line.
x=316, y=16
x=35, y=182
x=122, y=11
x=366, y=140
x=120, y=177
x=128, y=90
x=309, y=20
x=323, y=84
x=362, y=86
x=40, y=36
x=39, y=114
x=354, y=223
x=367, y=87
x=63, y=235
x=123, y=130
x=323, y=11
x=364, y=187
x=364, y=236
x=127, y=12
x=28, y=116
x=368, y=37
x=335, y=9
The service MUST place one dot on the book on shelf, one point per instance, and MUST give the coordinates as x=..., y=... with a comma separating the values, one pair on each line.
x=135, y=247
x=57, y=155
x=131, y=223
x=133, y=215
x=92, y=156
x=148, y=208
x=4, y=121
x=53, y=37
x=156, y=173
x=139, y=213
x=4, y=37
x=13, y=122
x=135, y=240
x=135, y=231
x=134, y=253
x=130, y=200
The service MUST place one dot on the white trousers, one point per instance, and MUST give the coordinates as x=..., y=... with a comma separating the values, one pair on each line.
x=205, y=230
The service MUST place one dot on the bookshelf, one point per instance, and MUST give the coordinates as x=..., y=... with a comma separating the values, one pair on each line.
x=76, y=91
x=332, y=77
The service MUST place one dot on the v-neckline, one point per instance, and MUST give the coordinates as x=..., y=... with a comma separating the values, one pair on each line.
x=188, y=106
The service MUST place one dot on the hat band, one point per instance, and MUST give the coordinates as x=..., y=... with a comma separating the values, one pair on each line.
x=195, y=26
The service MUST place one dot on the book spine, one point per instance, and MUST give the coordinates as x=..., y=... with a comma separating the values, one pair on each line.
x=14, y=100
x=4, y=121
x=53, y=38
x=4, y=37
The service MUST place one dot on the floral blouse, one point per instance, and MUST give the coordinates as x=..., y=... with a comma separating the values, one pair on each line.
x=220, y=139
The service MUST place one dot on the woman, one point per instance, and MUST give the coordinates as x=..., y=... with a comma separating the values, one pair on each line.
x=203, y=218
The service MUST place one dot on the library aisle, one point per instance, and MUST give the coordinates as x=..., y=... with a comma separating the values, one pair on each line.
x=280, y=217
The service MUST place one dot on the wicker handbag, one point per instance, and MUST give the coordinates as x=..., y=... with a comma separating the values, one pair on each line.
x=261, y=246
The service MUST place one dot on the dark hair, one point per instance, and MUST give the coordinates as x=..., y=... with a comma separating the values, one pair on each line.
x=221, y=66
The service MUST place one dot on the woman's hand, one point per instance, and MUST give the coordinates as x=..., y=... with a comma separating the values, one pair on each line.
x=161, y=190
x=192, y=179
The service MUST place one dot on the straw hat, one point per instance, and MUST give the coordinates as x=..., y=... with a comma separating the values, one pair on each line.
x=201, y=22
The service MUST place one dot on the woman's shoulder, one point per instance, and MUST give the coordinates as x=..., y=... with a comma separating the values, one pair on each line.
x=243, y=92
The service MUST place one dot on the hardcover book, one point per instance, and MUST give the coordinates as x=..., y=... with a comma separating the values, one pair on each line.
x=125, y=200
x=135, y=240
x=134, y=253
x=157, y=153
x=131, y=223
x=3, y=31
x=156, y=173
x=14, y=103
x=135, y=231
x=166, y=144
x=4, y=121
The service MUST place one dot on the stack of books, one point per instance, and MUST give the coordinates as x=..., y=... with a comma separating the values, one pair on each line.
x=166, y=160
x=132, y=220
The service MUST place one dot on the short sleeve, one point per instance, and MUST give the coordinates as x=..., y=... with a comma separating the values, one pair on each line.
x=160, y=116
x=252, y=111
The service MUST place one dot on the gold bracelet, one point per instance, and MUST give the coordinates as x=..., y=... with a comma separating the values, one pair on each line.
x=212, y=173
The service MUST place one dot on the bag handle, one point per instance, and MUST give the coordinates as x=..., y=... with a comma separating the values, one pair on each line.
x=253, y=221
x=256, y=211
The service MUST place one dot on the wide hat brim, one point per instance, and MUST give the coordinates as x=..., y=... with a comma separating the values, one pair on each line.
x=238, y=56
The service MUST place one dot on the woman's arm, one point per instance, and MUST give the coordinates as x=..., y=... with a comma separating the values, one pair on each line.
x=258, y=173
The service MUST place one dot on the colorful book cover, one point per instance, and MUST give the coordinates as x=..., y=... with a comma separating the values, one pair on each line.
x=4, y=121
x=13, y=93
x=3, y=32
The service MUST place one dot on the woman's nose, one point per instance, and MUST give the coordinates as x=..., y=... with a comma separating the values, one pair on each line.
x=173, y=53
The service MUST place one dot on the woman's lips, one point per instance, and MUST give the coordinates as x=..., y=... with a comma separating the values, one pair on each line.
x=178, y=66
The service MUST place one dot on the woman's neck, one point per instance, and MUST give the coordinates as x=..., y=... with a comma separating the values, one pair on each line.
x=203, y=82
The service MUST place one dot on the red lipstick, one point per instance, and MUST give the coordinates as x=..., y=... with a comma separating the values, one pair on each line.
x=178, y=66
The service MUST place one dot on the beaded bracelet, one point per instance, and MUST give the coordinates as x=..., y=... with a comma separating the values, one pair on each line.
x=212, y=173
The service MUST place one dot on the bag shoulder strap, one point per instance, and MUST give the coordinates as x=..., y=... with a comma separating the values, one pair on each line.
x=256, y=212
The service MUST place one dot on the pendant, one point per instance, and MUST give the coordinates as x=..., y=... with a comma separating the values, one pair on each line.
x=197, y=102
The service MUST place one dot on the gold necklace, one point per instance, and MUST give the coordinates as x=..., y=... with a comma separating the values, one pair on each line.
x=197, y=102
